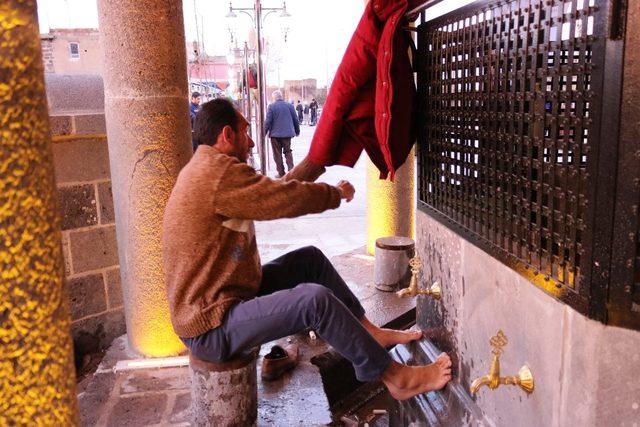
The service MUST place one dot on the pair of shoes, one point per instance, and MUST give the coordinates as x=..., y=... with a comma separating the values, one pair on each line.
x=278, y=361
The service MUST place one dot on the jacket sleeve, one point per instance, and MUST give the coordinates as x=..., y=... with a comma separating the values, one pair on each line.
x=356, y=71
x=243, y=194
x=296, y=123
x=269, y=120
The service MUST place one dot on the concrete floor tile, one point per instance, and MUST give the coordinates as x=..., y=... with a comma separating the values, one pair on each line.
x=181, y=411
x=141, y=381
x=138, y=411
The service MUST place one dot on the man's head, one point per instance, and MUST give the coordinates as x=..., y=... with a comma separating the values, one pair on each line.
x=277, y=95
x=195, y=98
x=219, y=124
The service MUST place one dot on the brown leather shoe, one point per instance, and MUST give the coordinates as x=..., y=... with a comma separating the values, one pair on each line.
x=278, y=361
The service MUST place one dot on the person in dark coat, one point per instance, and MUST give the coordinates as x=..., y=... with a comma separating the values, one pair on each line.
x=300, y=109
x=194, y=108
x=313, y=107
x=306, y=114
x=281, y=124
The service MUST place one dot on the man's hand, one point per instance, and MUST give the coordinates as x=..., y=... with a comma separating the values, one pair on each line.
x=346, y=190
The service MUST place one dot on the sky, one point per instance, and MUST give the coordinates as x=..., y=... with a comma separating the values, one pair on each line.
x=318, y=36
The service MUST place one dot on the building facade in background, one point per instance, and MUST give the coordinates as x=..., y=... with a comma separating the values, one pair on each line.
x=210, y=75
x=72, y=51
x=78, y=51
x=303, y=90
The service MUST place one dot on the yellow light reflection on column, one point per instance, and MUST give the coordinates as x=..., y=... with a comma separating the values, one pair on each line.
x=37, y=377
x=390, y=205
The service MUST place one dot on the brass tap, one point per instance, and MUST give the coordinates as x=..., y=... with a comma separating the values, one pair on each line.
x=493, y=380
x=435, y=291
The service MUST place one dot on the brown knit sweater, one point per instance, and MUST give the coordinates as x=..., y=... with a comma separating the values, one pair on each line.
x=209, y=250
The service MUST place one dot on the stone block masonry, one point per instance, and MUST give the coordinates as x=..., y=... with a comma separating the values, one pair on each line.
x=89, y=244
x=47, y=53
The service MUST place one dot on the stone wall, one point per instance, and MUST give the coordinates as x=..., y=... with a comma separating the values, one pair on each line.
x=47, y=53
x=585, y=373
x=89, y=242
x=83, y=179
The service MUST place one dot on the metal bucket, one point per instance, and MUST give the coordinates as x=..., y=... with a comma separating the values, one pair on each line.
x=392, y=271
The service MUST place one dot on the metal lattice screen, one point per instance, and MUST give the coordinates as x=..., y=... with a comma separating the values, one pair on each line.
x=510, y=106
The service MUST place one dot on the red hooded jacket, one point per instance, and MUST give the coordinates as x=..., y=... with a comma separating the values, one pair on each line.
x=371, y=104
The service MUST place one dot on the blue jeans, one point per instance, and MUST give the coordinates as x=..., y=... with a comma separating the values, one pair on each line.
x=299, y=290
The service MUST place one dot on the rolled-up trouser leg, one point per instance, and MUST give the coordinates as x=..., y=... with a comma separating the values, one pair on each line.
x=266, y=318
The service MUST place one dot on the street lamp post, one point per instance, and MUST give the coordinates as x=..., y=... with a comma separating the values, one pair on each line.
x=262, y=90
x=240, y=57
x=258, y=20
x=247, y=90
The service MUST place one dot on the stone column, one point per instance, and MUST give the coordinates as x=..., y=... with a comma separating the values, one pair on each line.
x=149, y=134
x=391, y=205
x=37, y=378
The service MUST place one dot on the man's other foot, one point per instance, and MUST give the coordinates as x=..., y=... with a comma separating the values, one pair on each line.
x=390, y=337
x=405, y=382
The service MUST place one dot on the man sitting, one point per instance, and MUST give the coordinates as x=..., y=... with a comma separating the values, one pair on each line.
x=223, y=303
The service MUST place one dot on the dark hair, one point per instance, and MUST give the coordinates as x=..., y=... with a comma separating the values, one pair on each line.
x=195, y=94
x=212, y=118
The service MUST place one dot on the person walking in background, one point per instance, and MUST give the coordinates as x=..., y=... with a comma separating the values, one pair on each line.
x=306, y=114
x=281, y=125
x=299, y=109
x=313, y=107
x=194, y=108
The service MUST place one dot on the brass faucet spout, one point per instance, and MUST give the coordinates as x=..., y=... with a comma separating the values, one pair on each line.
x=479, y=382
x=435, y=291
x=493, y=380
x=406, y=292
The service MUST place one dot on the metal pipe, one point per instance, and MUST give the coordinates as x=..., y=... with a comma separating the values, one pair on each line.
x=261, y=90
x=424, y=5
x=246, y=88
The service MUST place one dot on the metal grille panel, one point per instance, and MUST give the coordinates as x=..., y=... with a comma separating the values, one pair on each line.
x=509, y=122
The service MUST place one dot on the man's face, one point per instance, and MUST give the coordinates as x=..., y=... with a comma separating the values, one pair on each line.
x=243, y=142
x=195, y=100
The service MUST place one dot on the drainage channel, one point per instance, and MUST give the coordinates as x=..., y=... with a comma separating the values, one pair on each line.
x=451, y=406
x=351, y=402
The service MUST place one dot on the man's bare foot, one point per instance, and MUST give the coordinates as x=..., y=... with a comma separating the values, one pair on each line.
x=390, y=337
x=405, y=382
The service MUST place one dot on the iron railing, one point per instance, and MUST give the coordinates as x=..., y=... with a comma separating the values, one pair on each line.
x=518, y=138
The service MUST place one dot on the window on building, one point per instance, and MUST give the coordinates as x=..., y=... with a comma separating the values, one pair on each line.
x=74, y=50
